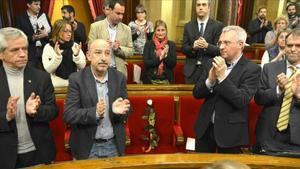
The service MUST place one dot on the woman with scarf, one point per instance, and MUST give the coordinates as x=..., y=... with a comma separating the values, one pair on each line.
x=159, y=57
x=62, y=56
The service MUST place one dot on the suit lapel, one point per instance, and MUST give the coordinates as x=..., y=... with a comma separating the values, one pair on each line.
x=237, y=68
x=195, y=29
x=4, y=89
x=91, y=85
x=105, y=33
x=111, y=84
x=206, y=32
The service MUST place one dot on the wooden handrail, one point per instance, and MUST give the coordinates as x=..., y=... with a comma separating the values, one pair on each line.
x=177, y=161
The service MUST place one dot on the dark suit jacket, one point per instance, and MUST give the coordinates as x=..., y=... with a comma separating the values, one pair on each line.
x=22, y=22
x=267, y=96
x=257, y=34
x=80, y=110
x=230, y=101
x=79, y=33
x=152, y=62
x=34, y=81
x=191, y=33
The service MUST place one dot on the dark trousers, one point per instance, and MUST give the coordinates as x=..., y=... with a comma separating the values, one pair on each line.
x=207, y=143
x=195, y=75
x=26, y=159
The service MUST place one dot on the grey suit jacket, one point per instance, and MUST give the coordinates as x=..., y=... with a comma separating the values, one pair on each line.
x=267, y=96
x=80, y=110
x=99, y=31
x=191, y=33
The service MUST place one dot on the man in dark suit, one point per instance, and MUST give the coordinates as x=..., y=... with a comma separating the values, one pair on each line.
x=97, y=106
x=271, y=93
x=259, y=27
x=200, y=39
x=68, y=13
x=27, y=104
x=227, y=84
x=38, y=36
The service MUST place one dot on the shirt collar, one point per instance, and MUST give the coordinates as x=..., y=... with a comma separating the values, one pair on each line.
x=231, y=65
x=288, y=64
x=32, y=16
x=110, y=26
x=205, y=21
x=104, y=80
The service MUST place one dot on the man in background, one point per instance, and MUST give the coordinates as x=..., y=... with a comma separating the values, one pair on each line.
x=38, y=35
x=294, y=20
x=200, y=39
x=68, y=13
x=259, y=27
x=116, y=33
x=105, y=10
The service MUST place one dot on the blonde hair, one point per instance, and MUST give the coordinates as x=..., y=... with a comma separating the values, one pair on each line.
x=281, y=18
x=59, y=25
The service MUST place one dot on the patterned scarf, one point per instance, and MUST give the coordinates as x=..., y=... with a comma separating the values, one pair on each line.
x=159, y=46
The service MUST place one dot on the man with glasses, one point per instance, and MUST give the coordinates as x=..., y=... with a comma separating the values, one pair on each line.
x=228, y=84
x=278, y=126
x=199, y=41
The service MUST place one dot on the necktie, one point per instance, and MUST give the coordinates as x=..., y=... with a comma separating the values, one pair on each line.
x=201, y=29
x=283, y=119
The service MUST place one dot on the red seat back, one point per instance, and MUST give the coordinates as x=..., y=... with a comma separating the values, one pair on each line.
x=254, y=111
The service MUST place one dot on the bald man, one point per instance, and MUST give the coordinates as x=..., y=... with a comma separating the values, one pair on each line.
x=97, y=106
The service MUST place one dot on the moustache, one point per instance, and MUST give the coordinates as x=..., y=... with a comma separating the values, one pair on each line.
x=102, y=63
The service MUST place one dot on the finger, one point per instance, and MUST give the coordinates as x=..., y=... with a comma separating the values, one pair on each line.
x=32, y=95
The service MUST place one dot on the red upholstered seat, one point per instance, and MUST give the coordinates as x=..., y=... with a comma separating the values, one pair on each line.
x=178, y=73
x=58, y=128
x=164, y=108
x=189, y=108
x=254, y=111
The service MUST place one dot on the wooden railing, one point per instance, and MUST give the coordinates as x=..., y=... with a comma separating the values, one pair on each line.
x=176, y=161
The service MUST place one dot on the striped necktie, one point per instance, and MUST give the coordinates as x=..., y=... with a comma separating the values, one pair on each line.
x=283, y=119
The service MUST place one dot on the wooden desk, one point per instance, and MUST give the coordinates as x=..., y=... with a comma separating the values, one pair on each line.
x=177, y=161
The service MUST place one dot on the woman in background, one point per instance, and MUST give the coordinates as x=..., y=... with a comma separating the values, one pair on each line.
x=141, y=29
x=62, y=56
x=159, y=57
x=276, y=52
x=280, y=23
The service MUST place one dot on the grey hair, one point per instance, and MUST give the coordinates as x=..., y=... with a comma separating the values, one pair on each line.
x=10, y=33
x=240, y=33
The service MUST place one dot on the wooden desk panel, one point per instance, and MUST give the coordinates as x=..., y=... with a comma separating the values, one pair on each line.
x=176, y=161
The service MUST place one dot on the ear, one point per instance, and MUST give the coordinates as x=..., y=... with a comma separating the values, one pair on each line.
x=1, y=56
x=88, y=55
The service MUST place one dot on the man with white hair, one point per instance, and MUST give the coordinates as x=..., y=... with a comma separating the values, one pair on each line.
x=27, y=104
x=228, y=84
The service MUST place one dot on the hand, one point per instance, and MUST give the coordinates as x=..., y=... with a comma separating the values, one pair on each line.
x=220, y=66
x=100, y=109
x=11, y=108
x=116, y=45
x=296, y=86
x=57, y=49
x=147, y=30
x=32, y=104
x=279, y=56
x=202, y=43
x=120, y=106
x=212, y=77
x=76, y=49
x=282, y=80
x=266, y=23
x=164, y=52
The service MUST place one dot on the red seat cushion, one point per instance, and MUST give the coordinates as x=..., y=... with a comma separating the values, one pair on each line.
x=178, y=73
x=58, y=129
x=164, y=108
x=254, y=111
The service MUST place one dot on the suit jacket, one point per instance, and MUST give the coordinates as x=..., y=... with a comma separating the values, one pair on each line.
x=191, y=33
x=23, y=23
x=80, y=110
x=34, y=81
x=230, y=102
x=99, y=31
x=257, y=34
x=152, y=62
x=267, y=96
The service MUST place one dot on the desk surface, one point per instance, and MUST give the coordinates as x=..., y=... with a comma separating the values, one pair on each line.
x=176, y=161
